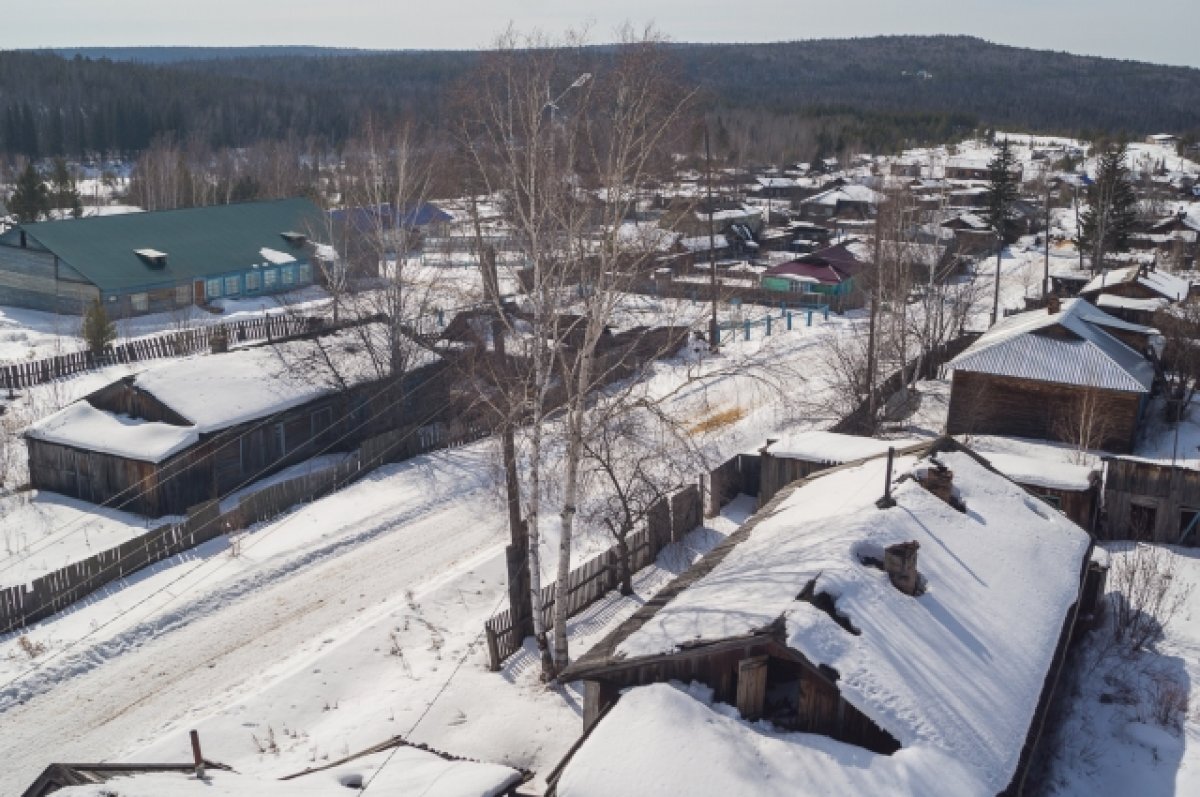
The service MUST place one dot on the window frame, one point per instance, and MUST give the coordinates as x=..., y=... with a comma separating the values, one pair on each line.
x=208, y=287
x=139, y=302
x=248, y=278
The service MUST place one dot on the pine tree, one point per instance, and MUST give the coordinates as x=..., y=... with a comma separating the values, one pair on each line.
x=1002, y=190
x=1001, y=194
x=98, y=331
x=30, y=199
x=63, y=193
x=1112, y=208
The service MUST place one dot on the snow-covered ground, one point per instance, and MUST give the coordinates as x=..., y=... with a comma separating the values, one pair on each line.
x=1132, y=724
x=43, y=531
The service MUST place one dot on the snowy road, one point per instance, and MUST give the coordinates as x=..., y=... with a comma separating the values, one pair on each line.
x=220, y=646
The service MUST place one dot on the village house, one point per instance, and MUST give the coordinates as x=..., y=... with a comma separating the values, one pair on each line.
x=196, y=429
x=1139, y=282
x=1154, y=501
x=843, y=202
x=1074, y=490
x=137, y=263
x=1062, y=373
x=826, y=276
x=910, y=631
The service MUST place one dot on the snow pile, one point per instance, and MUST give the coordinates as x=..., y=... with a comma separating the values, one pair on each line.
x=81, y=425
x=275, y=257
x=958, y=669
x=660, y=740
x=832, y=448
x=404, y=771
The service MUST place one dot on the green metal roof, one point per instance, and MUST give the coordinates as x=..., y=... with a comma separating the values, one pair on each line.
x=198, y=242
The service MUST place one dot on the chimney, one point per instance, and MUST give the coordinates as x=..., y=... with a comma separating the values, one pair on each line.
x=900, y=563
x=1053, y=305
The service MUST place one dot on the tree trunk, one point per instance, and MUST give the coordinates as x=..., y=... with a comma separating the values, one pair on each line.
x=624, y=566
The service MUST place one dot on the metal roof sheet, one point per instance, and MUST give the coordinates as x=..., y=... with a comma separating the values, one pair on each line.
x=1020, y=347
x=199, y=242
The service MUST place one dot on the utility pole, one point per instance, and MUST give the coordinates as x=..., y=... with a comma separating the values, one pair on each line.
x=714, y=330
x=871, y=328
x=996, y=292
x=516, y=553
x=1046, y=232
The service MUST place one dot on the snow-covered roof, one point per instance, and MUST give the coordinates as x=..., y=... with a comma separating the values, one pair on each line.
x=410, y=770
x=831, y=448
x=776, y=182
x=1166, y=285
x=1019, y=347
x=1127, y=303
x=1047, y=473
x=81, y=425
x=218, y=391
x=714, y=752
x=954, y=674
x=845, y=193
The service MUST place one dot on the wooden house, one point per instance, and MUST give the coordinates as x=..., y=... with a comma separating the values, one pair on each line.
x=1151, y=500
x=1067, y=371
x=200, y=428
x=1137, y=282
x=843, y=201
x=790, y=459
x=875, y=614
x=138, y=263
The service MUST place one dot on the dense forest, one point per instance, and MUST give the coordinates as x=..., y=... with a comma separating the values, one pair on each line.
x=765, y=101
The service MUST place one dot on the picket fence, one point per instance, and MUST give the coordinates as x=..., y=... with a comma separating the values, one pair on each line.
x=669, y=519
x=15, y=376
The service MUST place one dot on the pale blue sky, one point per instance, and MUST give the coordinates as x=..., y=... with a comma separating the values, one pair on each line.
x=1161, y=31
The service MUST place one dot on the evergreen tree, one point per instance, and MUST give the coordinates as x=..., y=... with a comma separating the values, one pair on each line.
x=1112, y=208
x=1001, y=191
x=98, y=331
x=63, y=193
x=30, y=199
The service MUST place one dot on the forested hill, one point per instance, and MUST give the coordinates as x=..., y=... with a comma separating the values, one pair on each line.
x=880, y=92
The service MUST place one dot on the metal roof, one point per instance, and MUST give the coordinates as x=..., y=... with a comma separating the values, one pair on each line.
x=198, y=242
x=1023, y=347
x=1166, y=285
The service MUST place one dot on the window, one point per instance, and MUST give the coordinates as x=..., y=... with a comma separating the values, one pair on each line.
x=233, y=286
x=304, y=272
x=322, y=419
x=253, y=281
x=288, y=275
x=183, y=295
x=212, y=288
x=140, y=302
x=1053, y=500
x=270, y=279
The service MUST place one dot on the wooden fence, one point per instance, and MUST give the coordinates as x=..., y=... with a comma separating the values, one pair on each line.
x=24, y=604
x=669, y=519
x=14, y=376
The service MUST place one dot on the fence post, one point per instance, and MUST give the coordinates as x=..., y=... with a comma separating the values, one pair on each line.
x=746, y=328
x=809, y=322
x=493, y=646
x=768, y=326
x=826, y=312
x=789, y=321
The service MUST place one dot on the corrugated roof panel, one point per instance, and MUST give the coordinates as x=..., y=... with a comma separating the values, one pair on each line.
x=200, y=241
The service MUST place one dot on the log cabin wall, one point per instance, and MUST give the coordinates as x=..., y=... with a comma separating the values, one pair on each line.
x=989, y=404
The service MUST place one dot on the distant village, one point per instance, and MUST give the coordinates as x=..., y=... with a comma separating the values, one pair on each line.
x=875, y=465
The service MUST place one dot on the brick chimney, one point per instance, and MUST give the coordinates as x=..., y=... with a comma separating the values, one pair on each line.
x=1053, y=305
x=900, y=563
